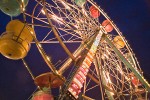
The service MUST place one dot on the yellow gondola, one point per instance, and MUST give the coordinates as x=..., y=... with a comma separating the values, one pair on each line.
x=15, y=42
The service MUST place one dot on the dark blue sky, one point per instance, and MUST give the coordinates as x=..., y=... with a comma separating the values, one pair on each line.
x=132, y=18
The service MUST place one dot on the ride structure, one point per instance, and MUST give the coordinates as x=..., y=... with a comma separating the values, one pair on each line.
x=103, y=62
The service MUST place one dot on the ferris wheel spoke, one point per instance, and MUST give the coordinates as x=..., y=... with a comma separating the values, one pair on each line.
x=46, y=35
x=36, y=18
x=91, y=88
x=38, y=25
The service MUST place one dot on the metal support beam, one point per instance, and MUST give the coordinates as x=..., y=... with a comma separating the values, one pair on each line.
x=65, y=66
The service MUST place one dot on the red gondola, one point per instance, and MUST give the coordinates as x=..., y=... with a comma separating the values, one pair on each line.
x=94, y=12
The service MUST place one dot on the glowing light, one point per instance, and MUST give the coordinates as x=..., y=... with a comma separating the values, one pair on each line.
x=108, y=51
x=23, y=9
x=119, y=69
x=87, y=62
x=74, y=85
x=84, y=12
x=88, y=59
x=66, y=6
x=76, y=96
x=70, y=89
x=109, y=81
x=90, y=54
x=31, y=32
x=102, y=57
x=111, y=93
x=78, y=82
x=76, y=26
x=107, y=78
x=121, y=72
x=106, y=56
x=57, y=19
x=79, y=78
x=74, y=93
x=43, y=11
x=83, y=76
x=81, y=20
x=93, y=48
x=86, y=65
x=77, y=21
x=40, y=45
x=48, y=58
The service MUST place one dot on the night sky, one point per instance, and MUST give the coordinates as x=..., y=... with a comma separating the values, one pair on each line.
x=132, y=18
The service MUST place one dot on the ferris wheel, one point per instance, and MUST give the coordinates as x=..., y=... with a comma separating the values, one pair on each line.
x=103, y=63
